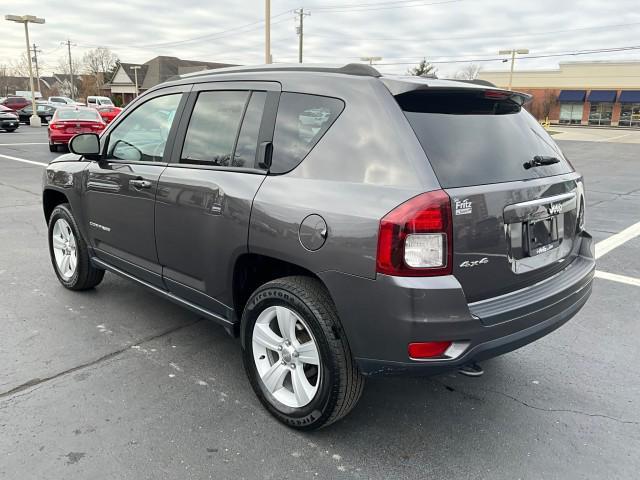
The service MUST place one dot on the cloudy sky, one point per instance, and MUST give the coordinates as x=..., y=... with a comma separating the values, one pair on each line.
x=447, y=32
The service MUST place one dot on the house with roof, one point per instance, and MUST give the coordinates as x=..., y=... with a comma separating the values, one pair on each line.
x=122, y=86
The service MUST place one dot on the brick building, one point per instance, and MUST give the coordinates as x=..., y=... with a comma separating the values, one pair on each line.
x=580, y=93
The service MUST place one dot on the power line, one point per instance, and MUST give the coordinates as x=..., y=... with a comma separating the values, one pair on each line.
x=225, y=33
x=366, y=9
x=353, y=5
x=525, y=57
x=472, y=37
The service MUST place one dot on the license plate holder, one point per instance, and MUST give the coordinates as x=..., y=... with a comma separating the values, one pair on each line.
x=541, y=236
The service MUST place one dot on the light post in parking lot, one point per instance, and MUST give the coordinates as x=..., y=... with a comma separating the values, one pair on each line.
x=512, y=52
x=34, y=120
x=135, y=69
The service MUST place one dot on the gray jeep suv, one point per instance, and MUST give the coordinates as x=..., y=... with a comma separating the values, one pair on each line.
x=342, y=223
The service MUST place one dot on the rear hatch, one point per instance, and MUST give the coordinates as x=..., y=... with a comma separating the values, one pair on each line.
x=515, y=199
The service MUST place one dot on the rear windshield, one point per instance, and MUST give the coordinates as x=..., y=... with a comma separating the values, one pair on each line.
x=69, y=114
x=473, y=140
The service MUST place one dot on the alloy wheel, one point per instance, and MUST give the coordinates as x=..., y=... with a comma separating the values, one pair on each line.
x=286, y=356
x=64, y=248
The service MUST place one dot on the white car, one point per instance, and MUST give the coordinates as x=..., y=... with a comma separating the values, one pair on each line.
x=62, y=101
x=96, y=101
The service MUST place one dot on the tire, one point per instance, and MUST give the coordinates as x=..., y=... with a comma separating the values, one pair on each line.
x=10, y=130
x=53, y=148
x=338, y=383
x=83, y=275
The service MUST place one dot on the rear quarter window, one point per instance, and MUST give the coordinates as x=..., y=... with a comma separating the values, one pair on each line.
x=301, y=122
x=473, y=140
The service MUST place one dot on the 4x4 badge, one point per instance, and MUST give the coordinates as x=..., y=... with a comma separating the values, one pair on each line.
x=474, y=263
x=463, y=207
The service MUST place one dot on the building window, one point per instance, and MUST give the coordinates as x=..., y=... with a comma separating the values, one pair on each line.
x=600, y=113
x=571, y=113
x=630, y=115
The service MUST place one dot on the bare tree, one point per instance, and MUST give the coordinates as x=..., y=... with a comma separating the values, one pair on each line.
x=63, y=68
x=98, y=63
x=423, y=69
x=469, y=72
x=20, y=68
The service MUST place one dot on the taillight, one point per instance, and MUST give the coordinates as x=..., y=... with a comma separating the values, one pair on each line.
x=415, y=239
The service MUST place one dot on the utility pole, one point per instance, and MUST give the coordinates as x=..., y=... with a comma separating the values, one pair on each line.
x=512, y=52
x=73, y=85
x=267, y=31
x=36, y=50
x=300, y=30
x=34, y=120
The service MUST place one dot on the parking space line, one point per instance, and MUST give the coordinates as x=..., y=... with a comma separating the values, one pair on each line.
x=605, y=246
x=23, y=160
x=618, y=278
x=608, y=139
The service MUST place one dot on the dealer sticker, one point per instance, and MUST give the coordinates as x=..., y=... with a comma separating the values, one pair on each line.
x=463, y=207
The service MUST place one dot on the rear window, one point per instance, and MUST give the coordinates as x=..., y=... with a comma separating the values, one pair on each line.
x=69, y=114
x=473, y=140
x=302, y=120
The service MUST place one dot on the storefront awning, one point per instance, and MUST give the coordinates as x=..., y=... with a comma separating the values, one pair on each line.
x=572, y=95
x=602, y=96
x=629, y=96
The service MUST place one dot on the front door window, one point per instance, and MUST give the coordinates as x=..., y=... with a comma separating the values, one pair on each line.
x=142, y=135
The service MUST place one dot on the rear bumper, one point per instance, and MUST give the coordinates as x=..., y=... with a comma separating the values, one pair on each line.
x=381, y=317
x=5, y=123
x=60, y=138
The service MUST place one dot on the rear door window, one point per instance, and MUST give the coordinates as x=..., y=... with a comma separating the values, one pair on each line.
x=213, y=128
x=472, y=138
x=301, y=122
x=247, y=144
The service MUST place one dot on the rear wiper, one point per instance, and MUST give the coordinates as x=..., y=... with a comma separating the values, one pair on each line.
x=540, y=160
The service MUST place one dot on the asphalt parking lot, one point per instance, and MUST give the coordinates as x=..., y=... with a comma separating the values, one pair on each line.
x=118, y=383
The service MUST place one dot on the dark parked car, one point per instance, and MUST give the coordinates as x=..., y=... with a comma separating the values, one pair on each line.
x=15, y=103
x=45, y=112
x=340, y=222
x=8, y=119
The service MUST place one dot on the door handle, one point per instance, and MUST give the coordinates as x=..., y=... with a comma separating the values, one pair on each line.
x=140, y=183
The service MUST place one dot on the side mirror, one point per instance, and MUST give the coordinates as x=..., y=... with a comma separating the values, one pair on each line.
x=87, y=145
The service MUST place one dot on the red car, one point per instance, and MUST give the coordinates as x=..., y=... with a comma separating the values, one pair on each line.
x=69, y=121
x=108, y=113
x=15, y=103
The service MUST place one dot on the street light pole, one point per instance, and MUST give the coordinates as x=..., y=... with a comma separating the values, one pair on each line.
x=34, y=120
x=512, y=52
x=135, y=69
x=370, y=59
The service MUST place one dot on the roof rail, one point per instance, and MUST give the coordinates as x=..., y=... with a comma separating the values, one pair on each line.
x=358, y=69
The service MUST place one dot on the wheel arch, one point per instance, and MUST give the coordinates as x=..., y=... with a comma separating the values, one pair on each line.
x=51, y=198
x=252, y=270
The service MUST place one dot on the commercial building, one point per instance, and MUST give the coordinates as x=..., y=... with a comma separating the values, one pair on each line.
x=579, y=93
